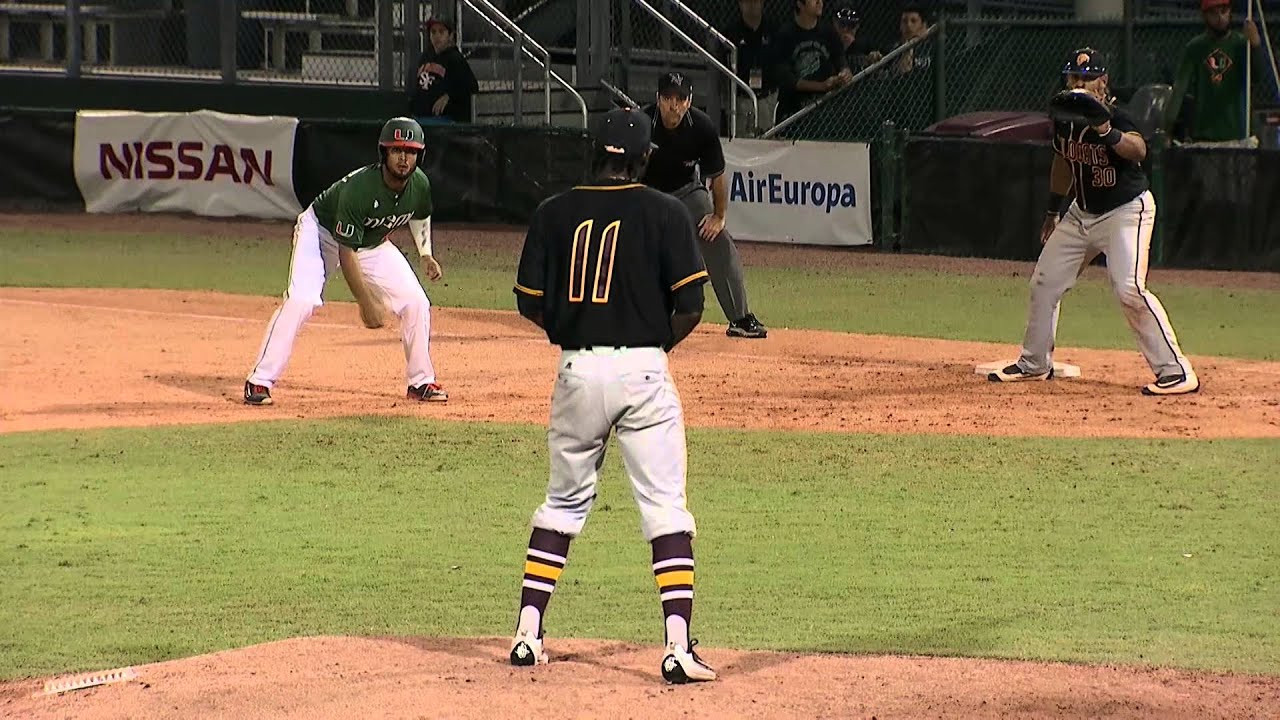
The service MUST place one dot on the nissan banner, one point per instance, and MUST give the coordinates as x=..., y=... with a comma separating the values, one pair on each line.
x=204, y=162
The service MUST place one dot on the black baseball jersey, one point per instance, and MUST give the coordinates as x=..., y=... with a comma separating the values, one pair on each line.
x=606, y=261
x=687, y=153
x=1103, y=180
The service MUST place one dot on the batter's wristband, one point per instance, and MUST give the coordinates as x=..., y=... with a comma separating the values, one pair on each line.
x=1056, y=202
x=1112, y=138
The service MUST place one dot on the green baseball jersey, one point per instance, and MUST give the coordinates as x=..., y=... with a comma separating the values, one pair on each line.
x=1212, y=72
x=359, y=210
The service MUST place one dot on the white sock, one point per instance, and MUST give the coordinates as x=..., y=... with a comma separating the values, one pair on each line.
x=530, y=620
x=677, y=631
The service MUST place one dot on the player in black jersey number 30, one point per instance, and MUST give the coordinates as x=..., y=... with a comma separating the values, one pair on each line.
x=1113, y=213
x=613, y=273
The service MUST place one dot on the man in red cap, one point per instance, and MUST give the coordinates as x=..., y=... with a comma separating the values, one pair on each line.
x=445, y=82
x=1212, y=72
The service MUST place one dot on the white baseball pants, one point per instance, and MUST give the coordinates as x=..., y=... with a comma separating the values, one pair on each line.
x=315, y=257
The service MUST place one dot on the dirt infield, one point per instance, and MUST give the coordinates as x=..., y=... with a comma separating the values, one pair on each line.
x=142, y=358
x=465, y=678
x=148, y=357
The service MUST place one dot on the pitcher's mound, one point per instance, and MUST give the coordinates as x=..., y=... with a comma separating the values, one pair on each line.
x=340, y=677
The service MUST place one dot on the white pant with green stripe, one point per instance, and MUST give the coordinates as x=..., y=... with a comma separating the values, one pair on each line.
x=315, y=257
x=1124, y=236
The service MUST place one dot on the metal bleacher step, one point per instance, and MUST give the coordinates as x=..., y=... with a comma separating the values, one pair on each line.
x=497, y=106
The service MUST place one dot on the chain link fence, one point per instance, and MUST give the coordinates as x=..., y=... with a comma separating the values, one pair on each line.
x=331, y=42
x=335, y=42
x=901, y=88
x=110, y=36
x=1002, y=64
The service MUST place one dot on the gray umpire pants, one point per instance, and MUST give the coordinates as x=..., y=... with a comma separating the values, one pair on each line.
x=721, y=255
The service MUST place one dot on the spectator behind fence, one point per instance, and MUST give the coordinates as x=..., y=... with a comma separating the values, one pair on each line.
x=751, y=33
x=912, y=24
x=858, y=53
x=445, y=81
x=808, y=59
x=1212, y=74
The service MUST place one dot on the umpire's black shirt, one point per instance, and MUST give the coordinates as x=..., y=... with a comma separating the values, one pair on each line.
x=690, y=148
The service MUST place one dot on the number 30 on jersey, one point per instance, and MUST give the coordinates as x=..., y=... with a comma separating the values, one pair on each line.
x=580, y=262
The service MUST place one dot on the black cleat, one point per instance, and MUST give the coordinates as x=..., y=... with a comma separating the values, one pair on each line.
x=256, y=394
x=431, y=392
x=1014, y=373
x=747, y=327
x=680, y=666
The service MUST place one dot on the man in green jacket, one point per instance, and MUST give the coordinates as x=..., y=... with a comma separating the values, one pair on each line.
x=1212, y=72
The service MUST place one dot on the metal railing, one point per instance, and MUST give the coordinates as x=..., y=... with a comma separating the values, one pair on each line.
x=617, y=93
x=732, y=50
x=731, y=74
x=522, y=42
x=870, y=70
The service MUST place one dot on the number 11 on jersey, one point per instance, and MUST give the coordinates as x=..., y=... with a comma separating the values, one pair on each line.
x=579, y=262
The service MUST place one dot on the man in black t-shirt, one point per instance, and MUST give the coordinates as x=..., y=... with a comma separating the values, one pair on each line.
x=688, y=154
x=912, y=24
x=612, y=273
x=808, y=59
x=751, y=33
x=858, y=52
x=1113, y=214
x=445, y=82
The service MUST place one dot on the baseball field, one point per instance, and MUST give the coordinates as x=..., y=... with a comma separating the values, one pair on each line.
x=882, y=532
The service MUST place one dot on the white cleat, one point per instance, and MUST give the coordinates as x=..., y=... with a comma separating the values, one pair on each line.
x=526, y=650
x=1173, y=385
x=681, y=666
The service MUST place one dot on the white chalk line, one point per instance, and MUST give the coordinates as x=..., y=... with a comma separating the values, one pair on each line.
x=193, y=316
x=166, y=313
x=229, y=318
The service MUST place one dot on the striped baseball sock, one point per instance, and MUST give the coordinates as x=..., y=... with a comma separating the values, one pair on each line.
x=673, y=570
x=542, y=567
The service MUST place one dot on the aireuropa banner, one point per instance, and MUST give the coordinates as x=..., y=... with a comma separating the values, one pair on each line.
x=803, y=192
x=203, y=162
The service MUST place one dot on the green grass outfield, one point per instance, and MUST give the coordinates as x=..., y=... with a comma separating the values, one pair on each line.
x=117, y=549
x=1209, y=321
x=126, y=546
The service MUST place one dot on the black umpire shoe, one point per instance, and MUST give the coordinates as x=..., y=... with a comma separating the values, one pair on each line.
x=747, y=327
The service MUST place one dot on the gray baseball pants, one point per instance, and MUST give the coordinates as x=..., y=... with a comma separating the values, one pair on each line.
x=721, y=255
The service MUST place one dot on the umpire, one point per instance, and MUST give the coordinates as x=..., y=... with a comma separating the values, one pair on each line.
x=687, y=154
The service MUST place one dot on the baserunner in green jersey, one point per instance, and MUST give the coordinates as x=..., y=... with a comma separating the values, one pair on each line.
x=358, y=212
x=1212, y=78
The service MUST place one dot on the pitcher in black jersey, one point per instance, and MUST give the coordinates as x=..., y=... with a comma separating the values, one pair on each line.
x=613, y=273
x=1113, y=213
